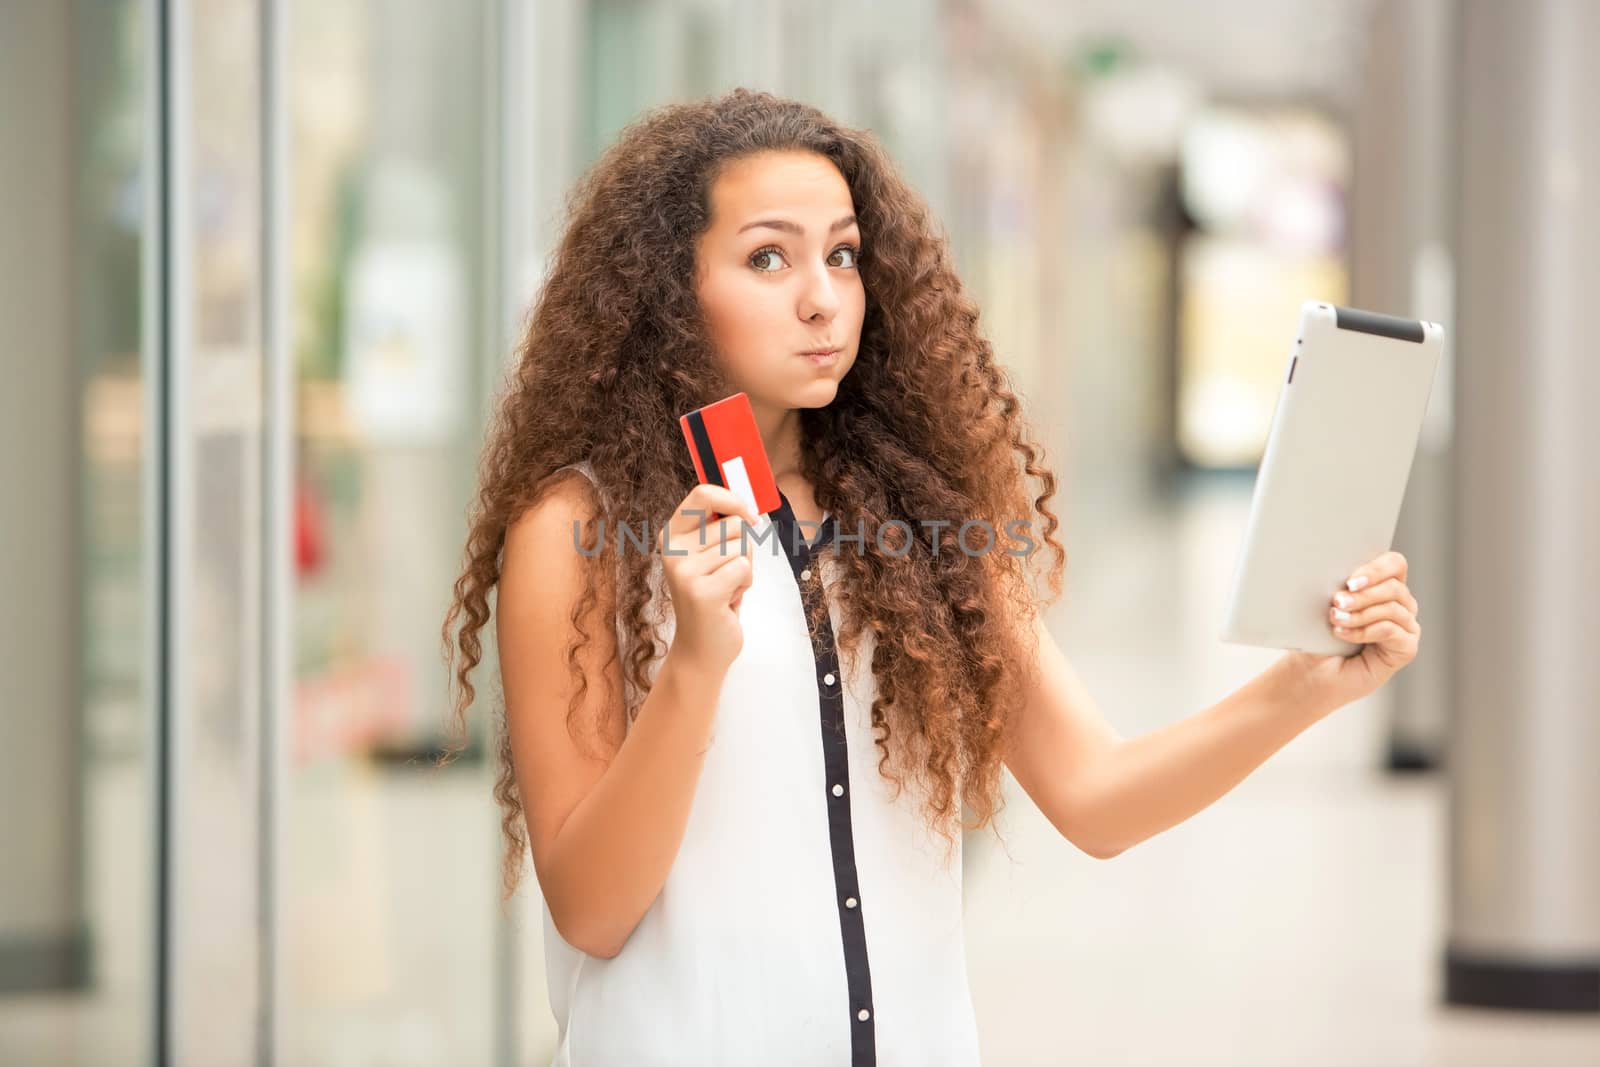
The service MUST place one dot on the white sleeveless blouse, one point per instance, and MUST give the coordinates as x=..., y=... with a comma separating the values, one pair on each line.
x=808, y=919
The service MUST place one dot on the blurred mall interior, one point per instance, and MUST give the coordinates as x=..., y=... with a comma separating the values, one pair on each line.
x=264, y=262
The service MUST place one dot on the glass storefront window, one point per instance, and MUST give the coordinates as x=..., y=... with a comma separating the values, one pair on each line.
x=389, y=874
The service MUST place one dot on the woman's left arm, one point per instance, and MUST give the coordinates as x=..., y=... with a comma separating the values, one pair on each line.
x=1106, y=794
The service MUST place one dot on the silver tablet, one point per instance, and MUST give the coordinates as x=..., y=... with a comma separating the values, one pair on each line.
x=1327, y=497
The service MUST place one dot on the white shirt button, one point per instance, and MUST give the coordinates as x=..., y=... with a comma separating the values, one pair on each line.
x=805, y=575
x=827, y=679
x=863, y=1015
x=838, y=790
x=849, y=902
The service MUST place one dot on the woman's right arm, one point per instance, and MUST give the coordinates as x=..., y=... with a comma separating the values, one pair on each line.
x=604, y=832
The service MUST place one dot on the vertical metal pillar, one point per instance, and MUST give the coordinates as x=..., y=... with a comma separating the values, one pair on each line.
x=1524, y=920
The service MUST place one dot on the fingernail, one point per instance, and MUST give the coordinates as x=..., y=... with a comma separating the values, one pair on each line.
x=1342, y=600
x=1357, y=583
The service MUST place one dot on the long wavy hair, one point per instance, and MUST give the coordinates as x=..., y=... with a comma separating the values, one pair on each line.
x=924, y=427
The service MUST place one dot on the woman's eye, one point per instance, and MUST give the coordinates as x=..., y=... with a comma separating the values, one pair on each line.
x=756, y=257
x=853, y=253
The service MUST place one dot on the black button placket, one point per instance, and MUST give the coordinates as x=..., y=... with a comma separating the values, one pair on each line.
x=836, y=765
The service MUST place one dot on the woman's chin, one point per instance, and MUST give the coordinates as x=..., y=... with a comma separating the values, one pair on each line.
x=815, y=394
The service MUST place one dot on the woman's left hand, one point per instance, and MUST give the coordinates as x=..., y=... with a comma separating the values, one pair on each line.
x=1380, y=614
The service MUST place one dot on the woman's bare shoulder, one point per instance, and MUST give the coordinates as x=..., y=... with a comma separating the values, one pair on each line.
x=542, y=556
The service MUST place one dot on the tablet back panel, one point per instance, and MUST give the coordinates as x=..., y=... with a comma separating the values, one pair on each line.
x=1328, y=493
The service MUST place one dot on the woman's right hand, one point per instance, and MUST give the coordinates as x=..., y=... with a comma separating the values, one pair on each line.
x=708, y=568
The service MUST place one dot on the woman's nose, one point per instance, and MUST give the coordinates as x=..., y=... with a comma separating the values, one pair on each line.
x=819, y=296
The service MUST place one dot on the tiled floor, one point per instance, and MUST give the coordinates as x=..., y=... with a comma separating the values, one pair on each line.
x=1297, y=921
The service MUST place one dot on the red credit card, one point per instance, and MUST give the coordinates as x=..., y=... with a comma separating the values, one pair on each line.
x=726, y=446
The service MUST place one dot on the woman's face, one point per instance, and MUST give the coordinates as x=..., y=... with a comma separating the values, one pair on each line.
x=777, y=278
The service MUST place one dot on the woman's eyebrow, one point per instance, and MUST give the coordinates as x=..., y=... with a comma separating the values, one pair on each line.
x=789, y=227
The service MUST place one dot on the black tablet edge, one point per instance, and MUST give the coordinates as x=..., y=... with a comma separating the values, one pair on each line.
x=1381, y=325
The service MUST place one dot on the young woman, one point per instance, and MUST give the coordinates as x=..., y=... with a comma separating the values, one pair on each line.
x=743, y=762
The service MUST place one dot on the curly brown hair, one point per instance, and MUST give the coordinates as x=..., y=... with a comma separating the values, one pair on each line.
x=925, y=427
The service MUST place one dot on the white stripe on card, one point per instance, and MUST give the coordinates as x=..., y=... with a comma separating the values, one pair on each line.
x=733, y=473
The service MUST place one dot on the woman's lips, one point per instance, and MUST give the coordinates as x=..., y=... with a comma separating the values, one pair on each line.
x=827, y=355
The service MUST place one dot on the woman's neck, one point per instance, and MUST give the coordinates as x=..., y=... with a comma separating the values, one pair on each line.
x=780, y=436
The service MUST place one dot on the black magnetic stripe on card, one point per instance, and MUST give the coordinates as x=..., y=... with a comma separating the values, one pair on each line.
x=702, y=445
